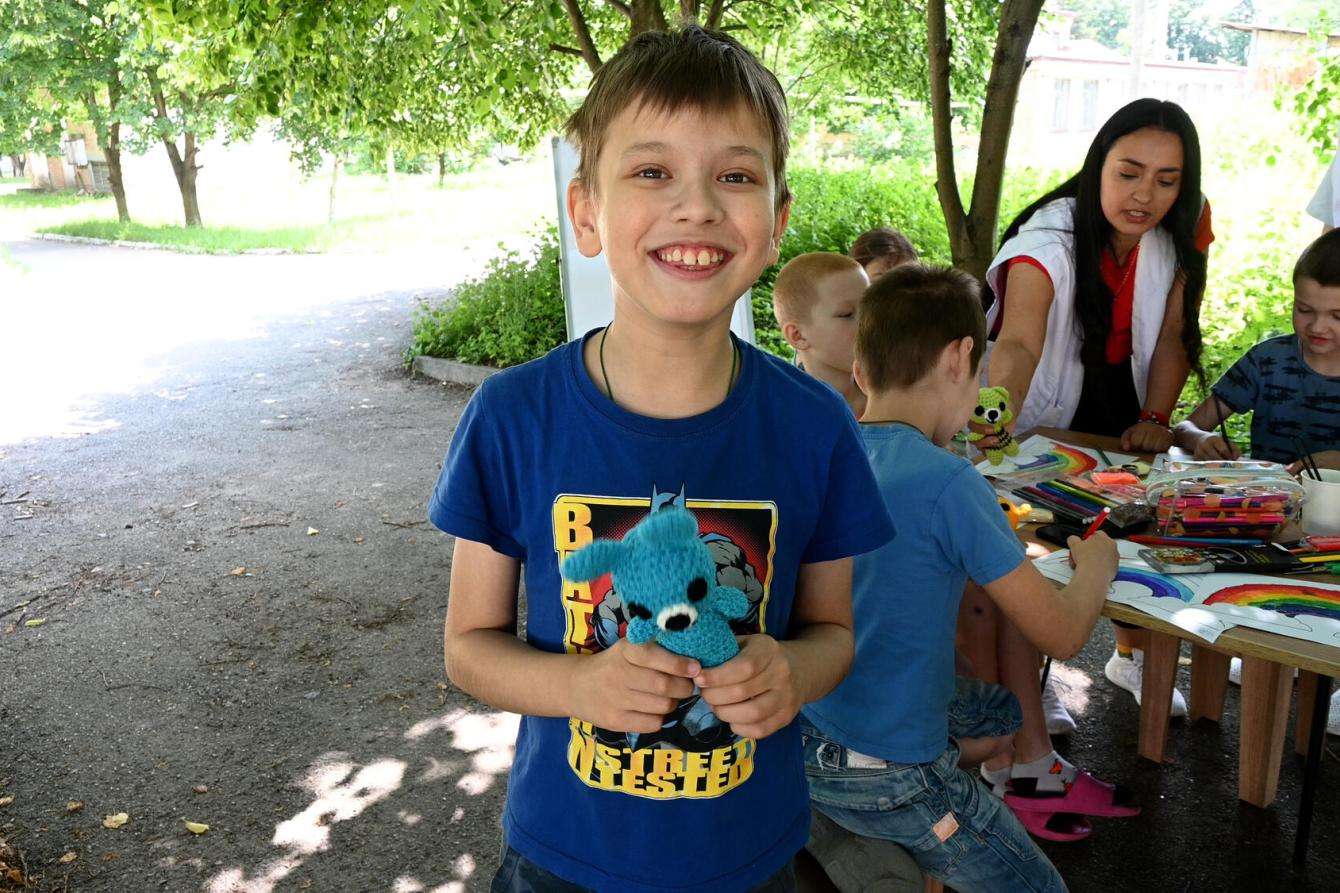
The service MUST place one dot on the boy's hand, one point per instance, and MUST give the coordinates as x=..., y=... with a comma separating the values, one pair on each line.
x=1147, y=437
x=990, y=440
x=1213, y=446
x=1097, y=553
x=631, y=688
x=755, y=691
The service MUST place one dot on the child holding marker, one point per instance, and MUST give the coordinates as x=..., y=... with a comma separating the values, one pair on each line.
x=878, y=751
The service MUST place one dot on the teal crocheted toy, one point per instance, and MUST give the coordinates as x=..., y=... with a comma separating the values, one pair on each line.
x=666, y=578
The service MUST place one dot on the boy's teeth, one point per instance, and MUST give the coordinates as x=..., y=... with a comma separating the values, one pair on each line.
x=704, y=257
x=677, y=255
x=688, y=257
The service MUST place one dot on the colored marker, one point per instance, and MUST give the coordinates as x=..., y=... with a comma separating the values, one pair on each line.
x=1146, y=540
x=1097, y=522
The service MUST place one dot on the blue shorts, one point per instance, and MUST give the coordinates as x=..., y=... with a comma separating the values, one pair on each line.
x=944, y=817
x=983, y=710
x=517, y=874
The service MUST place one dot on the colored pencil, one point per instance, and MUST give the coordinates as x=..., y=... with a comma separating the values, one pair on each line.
x=1148, y=540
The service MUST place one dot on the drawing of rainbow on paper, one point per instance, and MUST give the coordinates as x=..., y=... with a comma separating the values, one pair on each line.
x=1041, y=458
x=1285, y=598
x=1159, y=585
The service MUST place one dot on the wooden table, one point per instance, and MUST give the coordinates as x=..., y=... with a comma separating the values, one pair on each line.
x=1268, y=660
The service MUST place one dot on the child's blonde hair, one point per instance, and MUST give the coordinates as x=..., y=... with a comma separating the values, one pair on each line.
x=797, y=287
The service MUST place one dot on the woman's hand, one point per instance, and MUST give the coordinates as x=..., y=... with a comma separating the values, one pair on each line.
x=1147, y=437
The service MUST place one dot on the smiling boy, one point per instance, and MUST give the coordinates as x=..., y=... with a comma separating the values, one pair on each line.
x=1290, y=383
x=636, y=769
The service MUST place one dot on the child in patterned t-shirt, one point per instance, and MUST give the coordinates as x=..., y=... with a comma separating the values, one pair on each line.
x=1290, y=383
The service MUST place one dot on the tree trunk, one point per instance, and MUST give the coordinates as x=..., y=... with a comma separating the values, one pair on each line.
x=647, y=16
x=113, y=153
x=183, y=167
x=972, y=232
x=583, y=33
x=20, y=162
x=334, y=178
x=390, y=177
x=441, y=169
x=113, y=149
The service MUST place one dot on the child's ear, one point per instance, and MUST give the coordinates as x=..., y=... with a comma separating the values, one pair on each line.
x=779, y=230
x=582, y=214
x=794, y=336
x=858, y=376
x=958, y=355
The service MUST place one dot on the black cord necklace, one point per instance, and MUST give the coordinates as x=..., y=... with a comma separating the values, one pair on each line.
x=734, y=364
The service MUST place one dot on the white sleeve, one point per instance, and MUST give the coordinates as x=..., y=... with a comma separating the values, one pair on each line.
x=1325, y=204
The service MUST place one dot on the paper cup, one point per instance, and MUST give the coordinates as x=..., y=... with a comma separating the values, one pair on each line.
x=1321, y=503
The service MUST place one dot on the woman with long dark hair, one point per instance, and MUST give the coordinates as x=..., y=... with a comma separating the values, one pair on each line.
x=1098, y=286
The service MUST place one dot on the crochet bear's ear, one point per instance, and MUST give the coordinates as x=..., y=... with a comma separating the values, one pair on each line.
x=670, y=526
x=589, y=562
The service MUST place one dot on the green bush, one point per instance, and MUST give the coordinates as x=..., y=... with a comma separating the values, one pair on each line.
x=510, y=314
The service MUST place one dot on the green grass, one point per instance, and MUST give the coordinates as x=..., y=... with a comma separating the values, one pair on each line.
x=28, y=199
x=220, y=239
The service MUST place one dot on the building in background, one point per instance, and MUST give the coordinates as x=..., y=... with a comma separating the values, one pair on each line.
x=1071, y=86
x=1281, y=56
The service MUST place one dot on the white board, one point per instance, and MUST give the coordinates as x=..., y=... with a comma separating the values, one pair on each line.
x=588, y=297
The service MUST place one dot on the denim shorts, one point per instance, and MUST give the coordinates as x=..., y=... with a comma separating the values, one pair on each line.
x=517, y=874
x=983, y=710
x=943, y=816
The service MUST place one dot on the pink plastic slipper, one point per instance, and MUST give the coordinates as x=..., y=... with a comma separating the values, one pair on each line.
x=1085, y=795
x=1062, y=827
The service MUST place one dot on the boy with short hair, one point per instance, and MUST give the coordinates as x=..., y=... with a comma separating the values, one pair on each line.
x=878, y=755
x=814, y=299
x=881, y=249
x=637, y=769
x=1290, y=383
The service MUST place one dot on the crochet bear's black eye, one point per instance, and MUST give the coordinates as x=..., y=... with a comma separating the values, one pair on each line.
x=979, y=410
x=1002, y=406
x=639, y=611
x=697, y=589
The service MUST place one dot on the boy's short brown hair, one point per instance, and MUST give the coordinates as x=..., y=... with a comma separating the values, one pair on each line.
x=1320, y=261
x=689, y=67
x=796, y=289
x=909, y=315
x=882, y=242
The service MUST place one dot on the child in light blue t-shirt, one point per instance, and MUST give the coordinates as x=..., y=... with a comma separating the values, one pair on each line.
x=879, y=757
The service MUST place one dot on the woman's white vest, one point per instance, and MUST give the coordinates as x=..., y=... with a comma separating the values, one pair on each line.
x=1048, y=237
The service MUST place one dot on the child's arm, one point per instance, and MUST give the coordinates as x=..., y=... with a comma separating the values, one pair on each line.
x=1059, y=622
x=626, y=688
x=1197, y=433
x=763, y=687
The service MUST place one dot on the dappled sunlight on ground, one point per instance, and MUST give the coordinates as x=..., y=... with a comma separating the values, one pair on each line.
x=342, y=789
x=1072, y=685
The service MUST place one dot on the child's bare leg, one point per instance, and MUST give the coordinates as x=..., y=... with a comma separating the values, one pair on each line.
x=1018, y=665
x=977, y=632
x=1130, y=638
x=975, y=751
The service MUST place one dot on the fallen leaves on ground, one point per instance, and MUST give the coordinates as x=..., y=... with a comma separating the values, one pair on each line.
x=115, y=821
x=200, y=789
x=196, y=827
x=312, y=531
x=36, y=621
x=6, y=800
x=237, y=572
x=68, y=857
x=74, y=806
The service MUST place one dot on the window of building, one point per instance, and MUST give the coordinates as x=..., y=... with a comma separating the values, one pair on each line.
x=1061, y=105
x=1088, y=118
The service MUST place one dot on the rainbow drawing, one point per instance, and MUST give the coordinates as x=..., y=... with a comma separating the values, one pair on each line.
x=1061, y=458
x=1285, y=598
x=1159, y=585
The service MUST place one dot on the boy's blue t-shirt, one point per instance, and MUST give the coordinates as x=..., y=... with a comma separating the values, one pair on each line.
x=1287, y=399
x=894, y=702
x=541, y=463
